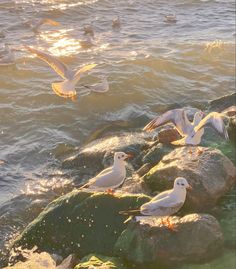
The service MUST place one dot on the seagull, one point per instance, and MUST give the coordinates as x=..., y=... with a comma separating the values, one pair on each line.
x=37, y=23
x=112, y=177
x=215, y=120
x=164, y=204
x=179, y=118
x=170, y=18
x=86, y=43
x=65, y=88
x=2, y=33
x=116, y=22
x=7, y=56
x=100, y=87
x=88, y=29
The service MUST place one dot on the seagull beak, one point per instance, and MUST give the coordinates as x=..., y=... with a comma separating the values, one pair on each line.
x=189, y=188
x=129, y=155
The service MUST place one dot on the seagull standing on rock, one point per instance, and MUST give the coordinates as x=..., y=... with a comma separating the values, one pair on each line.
x=164, y=204
x=112, y=177
x=65, y=88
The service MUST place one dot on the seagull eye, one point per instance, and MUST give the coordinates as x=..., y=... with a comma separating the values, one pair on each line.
x=177, y=183
x=118, y=157
x=182, y=184
x=123, y=156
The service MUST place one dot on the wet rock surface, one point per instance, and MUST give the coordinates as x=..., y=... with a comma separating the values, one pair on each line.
x=198, y=238
x=80, y=222
x=208, y=171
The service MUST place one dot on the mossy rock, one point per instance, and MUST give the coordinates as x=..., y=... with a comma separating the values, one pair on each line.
x=80, y=222
x=98, y=261
x=156, y=153
x=226, y=261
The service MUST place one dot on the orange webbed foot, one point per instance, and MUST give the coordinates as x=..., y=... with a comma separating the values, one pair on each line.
x=110, y=191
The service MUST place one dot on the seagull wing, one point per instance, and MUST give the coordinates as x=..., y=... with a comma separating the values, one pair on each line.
x=53, y=62
x=215, y=120
x=83, y=70
x=163, y=207
x=175, y=116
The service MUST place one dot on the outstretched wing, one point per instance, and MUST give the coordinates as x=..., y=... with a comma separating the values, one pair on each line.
x=83, y=70
x=173, y=116
x=215, y=120
x=52, y=61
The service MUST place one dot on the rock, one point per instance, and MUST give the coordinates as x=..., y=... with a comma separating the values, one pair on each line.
x=198, y=238
x=36, y=260
x=168, y=135
x=208, y=171
x=227, y=260
x=223, y=102
x=80, y=222
x=94, y=261
x=231, y=113
x=227, y=218
x=156, y=153
x=99, y=153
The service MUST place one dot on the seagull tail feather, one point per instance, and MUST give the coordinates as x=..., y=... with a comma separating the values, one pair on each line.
x=130, y=212
x=64, y=89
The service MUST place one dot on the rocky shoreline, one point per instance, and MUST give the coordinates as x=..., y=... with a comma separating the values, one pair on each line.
x=86, y=223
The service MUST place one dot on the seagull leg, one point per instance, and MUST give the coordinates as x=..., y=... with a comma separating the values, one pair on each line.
x=170, y=225
x=110, y=191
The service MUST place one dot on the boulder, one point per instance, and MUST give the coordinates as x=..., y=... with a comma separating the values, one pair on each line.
x=198, y=238
x=208, y=171
x=227, y=261
x=79, y=222
x=223, y=102
x=98, y=154
x=168, y=135
x=94, y=261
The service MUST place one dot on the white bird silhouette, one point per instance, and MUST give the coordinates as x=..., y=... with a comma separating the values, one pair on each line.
x=164, y=204
x=65, y=88
x=112, y=177
x=171, y=18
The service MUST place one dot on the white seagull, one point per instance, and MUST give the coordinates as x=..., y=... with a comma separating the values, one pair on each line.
x=37, y=23
x=88, y=29
x=171, y=18
x=112, y=177
x=100, y=87
x=180, y=119
x=164, y=204
x=65, y=88
x=116, y=22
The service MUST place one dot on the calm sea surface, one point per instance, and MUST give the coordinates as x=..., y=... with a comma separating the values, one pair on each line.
x=150, y=64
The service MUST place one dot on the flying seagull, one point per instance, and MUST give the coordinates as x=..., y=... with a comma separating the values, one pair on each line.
x=65, y=88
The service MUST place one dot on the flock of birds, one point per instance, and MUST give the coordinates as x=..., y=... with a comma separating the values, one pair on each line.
x=166, y=203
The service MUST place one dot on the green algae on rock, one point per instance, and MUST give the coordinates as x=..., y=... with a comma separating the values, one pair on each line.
x=198, y=238
x=226, y=261
x=80, y=222
x=98, y=261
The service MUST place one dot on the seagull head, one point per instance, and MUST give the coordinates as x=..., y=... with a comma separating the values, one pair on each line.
x=181, y=183
x=121, y=156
